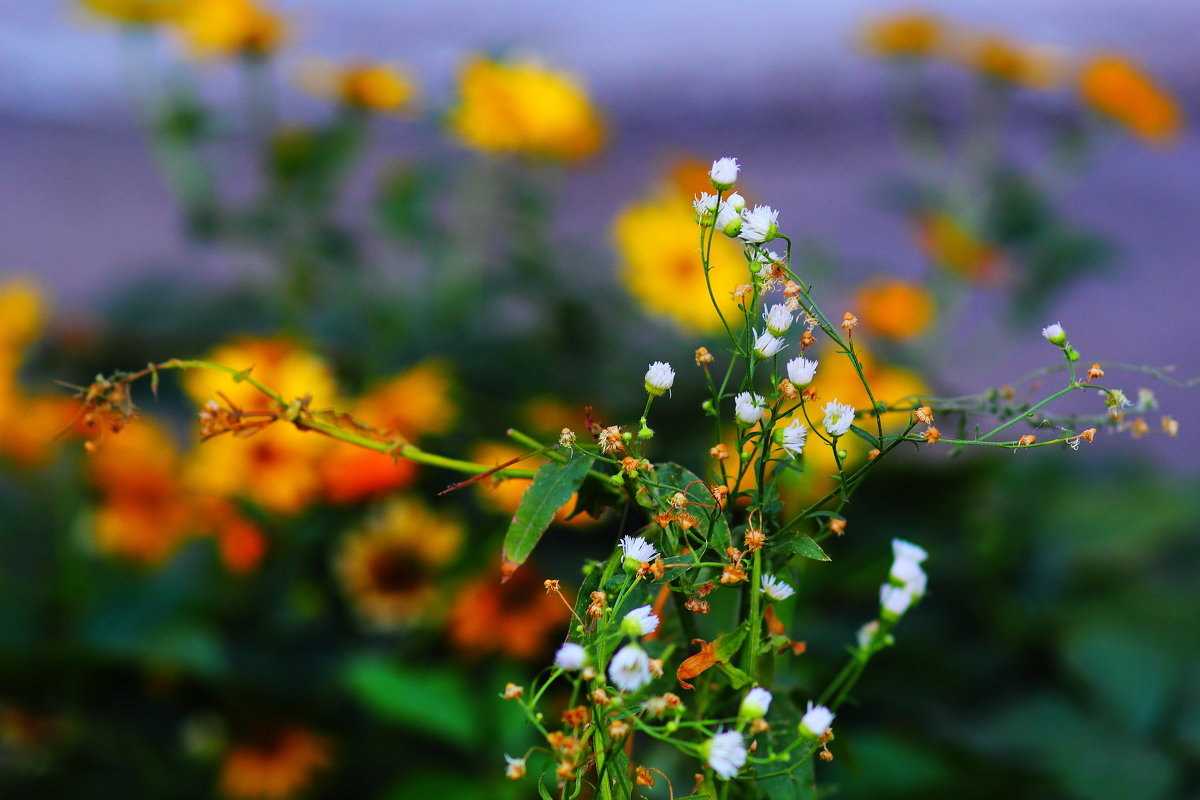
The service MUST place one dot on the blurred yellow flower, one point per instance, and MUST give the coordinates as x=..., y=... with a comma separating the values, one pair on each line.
x=22, y=316
x=1004, y=60
x=278, y=467
x=389, y=567
x=524, y=108
x=417, y=402
x=136, y=12
x=658, y=244
x=950, y=244
x=379, y=88
x=274, y=766
x=277, y=363
x=909, y=35
x=1118, y=88
x=893, y=308
x=230, y=28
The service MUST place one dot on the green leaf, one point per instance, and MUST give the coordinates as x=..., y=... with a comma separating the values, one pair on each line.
x=798, y=785
x=672, y=474
x=433, y=702
x=677, y=565
x=737, y=678
x=552, y=487
x=866, y=437
x=803, y=545
x=726, y=647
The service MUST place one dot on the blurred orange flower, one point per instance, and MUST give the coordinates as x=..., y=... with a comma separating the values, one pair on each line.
x=517, y=618
x=950, y=244
x=1118, y=88
x=893, y=308
x=524, y=108
x=419, y=401
x=273, y=767
x=1005, y=60
x=909, y=35
x=376, y=87
x=136, y=12
x=389, y=567
x=230, y=28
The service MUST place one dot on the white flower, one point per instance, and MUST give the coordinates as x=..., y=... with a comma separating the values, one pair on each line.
x=748, y=408
x=760, y=225
x=726, y=753
x=776, y=589
x=706, y=208
x=659, y=378
x=570, y=656
x=515, y=769
x=907, y=551
x=756, y=703
x=915, y=582
x=816, y=721
x=637, y=550
x=629, y=669
x=1055, y=334
x=639, y=622
x=894, y=600
x=794, y=437
x=778, y=318
x=729, y=222
x=736, y=202
x=1116, y=400
x=838, y=417
x=801, y=370
x=867, y=634
x=767, y=345
x=724, y=173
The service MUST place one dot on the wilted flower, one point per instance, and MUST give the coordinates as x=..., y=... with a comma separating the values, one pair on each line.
x=725, y=753
x=629, y=669
x=838, y=417
x=776, y=589
x=801, y=370
x=515, y=769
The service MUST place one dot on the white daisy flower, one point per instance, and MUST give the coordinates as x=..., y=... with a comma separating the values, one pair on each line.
x=637, y=550
x=816, y=721
x=724, y=173
x=778, y=319
x=759, y=225
x=801, y=370
x=639, y=622
x=736, y=202
x=1055, y=334
x=767, y=345
x=838, y=417
x=706, y=208
x=907, y=551
x=894, y=600
x=748, y=408
x=659, y=378
x=756, y=703
x=629, y=669
x=794, y=437
x=776, y=589
x=726, y=753
x=570, y=657
x=729, y=222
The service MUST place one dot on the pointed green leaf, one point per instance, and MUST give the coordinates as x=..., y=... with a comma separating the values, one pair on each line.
x=803, y=545
x=552, y=487
x=866, y=437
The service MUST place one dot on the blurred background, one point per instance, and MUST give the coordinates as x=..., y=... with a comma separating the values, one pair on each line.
x=398, y=209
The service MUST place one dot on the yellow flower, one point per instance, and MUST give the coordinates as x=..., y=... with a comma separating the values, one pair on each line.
x=389, y=567
x=414, y=403
x=1116, y=87
x=276, y=766
x=379, y=88
x=658, y=243
x=523, y=108
x=896, y=309
x=22, y=316
x=136, y=12
x=950, y=244
x=1005, y=60
x=278, y=363
x=230, y=28
x=912, y=35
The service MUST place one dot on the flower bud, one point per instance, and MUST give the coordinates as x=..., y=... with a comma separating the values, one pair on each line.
x=724, y=173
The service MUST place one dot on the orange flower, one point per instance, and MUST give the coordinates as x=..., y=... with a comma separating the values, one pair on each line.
x=517, y=617
x=389, y=567
x=375, y=87
x=949, y=244
x=230, y=28
x=1004, y=60
x=417, y=402
x=896, y=309
x=351, y=473
x=911, y=35
x=273, y=767
x=1118, y=88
